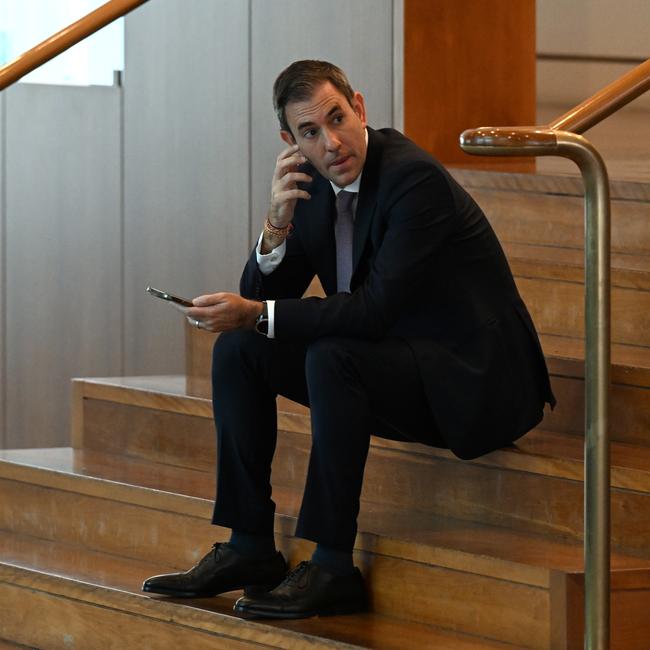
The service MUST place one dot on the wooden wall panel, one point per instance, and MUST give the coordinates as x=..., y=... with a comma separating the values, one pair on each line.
x=63, y=288
x=357, y=36
x=468, y=64
x=588, y=28
x=594, y=27
x=186, y=166
x=175, y=203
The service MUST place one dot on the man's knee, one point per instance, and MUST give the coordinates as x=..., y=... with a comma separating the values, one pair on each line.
x=336, y=395
x=231, y=349
x=327, y=358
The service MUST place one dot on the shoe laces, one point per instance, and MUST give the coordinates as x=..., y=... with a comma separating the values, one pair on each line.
x=212, y=553
x=297, y=574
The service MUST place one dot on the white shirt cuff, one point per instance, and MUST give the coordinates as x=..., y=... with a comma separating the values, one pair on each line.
x=270, y=307
x=269, y=262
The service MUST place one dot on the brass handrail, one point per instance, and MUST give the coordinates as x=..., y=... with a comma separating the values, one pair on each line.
x=65, y=39
x=606, y=101
x=559, y=138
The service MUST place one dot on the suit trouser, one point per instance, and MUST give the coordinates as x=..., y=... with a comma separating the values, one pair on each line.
x=353, y=387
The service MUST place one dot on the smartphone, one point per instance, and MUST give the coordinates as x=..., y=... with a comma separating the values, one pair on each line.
x=163, y=295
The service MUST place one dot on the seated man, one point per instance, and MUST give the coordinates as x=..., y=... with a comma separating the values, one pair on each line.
x=422, y=336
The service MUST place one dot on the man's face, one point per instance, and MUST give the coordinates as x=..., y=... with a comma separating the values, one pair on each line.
x=329, y=132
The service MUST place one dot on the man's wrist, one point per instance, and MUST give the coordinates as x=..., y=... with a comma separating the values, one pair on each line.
x=273, y=217
x=270, y=243
x=262, y=319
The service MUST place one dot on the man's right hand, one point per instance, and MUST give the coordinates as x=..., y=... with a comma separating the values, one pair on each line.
x=284, y=188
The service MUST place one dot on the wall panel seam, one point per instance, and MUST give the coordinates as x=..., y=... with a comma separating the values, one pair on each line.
x=397, y=20
x=122, y=217
x=249, y=132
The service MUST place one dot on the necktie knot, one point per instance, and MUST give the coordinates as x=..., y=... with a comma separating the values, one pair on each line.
x=344, y=201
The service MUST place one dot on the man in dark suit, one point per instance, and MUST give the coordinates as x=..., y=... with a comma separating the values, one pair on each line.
x=422, y=336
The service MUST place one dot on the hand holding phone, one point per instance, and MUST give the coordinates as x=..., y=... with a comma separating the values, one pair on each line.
x=289, y=171
x=170, y=297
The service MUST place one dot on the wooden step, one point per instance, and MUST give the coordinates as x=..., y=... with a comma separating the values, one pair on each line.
x=629, y=390
x=557, y=306
x=8, y=645
x=92, y=600
x=628, y=271
x=156, y=420
x=630, y=399
x=465, y=577
x=534, y=486
x=551, y=282
x=565, y=357
x=539, y=218
x=548, y=209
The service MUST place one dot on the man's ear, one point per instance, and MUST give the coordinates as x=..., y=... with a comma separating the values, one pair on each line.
x=359, y=107
x=287, y=137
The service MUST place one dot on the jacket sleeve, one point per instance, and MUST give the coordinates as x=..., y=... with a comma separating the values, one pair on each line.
x=419, y=215
x=289, y=280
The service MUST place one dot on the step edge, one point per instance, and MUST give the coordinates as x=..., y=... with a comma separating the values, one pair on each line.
x=94, y=486
x=53, y=578
x=188, y=616
x=625, y=279
x=368, y=541
x=538, y=183
x=102, y=388
x=507, y=459
x=572, y=469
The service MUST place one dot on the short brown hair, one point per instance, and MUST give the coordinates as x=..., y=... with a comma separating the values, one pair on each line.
x=298, y=82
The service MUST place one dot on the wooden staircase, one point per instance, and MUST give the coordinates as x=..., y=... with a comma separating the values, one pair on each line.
x=457, y=554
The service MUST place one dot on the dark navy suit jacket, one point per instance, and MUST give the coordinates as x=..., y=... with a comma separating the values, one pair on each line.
x=428, y=269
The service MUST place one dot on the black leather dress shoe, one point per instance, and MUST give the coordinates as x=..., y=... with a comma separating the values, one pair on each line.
x=221, y=570
x=308, y=590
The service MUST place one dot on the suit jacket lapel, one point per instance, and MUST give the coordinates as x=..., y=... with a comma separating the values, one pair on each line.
x=367, y=201
x=321, y=233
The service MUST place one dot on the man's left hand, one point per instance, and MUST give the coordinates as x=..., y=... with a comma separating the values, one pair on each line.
x=223, y=312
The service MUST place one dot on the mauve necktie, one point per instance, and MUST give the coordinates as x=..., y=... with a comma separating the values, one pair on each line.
x=343, y=229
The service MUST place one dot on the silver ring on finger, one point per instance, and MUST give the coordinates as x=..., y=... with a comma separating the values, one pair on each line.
x=197, y=324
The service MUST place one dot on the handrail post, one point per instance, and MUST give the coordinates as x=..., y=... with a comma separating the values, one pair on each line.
x=597, y=378
x=543, y=141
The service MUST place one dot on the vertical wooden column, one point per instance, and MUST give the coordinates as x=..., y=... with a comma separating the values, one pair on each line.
x=468, y=63
x=198, y=361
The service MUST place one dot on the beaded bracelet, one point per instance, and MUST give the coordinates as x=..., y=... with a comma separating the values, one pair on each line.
x=272, y=230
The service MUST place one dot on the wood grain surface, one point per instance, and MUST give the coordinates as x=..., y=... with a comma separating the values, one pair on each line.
x=543, y=465
x=32, y=566
x=450, y=86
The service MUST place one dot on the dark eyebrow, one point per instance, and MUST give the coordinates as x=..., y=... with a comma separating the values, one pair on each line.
x=333, y=110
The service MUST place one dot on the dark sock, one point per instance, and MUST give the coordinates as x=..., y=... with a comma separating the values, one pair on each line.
x=333, y=560
x=252, y=544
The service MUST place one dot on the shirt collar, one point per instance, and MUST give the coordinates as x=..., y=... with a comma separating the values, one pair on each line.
x=356, y=183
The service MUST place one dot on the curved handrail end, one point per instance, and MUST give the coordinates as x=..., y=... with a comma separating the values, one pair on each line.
x=509, y=140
